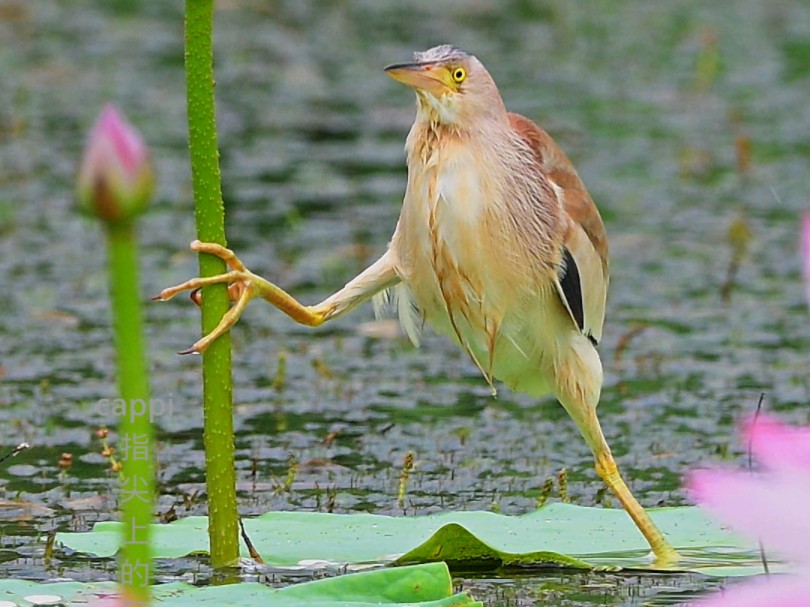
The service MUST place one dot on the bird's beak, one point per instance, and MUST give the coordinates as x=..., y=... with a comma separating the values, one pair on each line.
x=427, y=77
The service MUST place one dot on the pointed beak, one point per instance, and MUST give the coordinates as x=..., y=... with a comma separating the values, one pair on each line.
x=427, y=77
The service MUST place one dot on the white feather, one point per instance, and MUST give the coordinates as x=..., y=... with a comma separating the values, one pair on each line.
x=380, y=302
x=409, y=316
x=400, y=298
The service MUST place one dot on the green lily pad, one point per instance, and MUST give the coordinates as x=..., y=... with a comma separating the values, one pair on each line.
x=422, y=585
x=460, y=549
x=560, y=535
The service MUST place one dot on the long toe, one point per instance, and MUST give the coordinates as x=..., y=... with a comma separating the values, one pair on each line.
x=225, y=254
x=198, y=283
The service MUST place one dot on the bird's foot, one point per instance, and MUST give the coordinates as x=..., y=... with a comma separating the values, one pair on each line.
x=243, y=285
x=665, y=555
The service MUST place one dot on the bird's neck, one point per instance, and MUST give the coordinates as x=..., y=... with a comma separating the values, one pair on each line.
x=429, y=137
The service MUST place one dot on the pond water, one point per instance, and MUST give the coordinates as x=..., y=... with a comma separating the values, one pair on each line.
x=688, y=121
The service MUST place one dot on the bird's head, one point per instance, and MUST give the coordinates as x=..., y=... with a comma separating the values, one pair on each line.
x=452, y=86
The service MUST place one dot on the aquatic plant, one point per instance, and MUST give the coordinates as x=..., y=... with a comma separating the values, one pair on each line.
x=114, y=184
x=769, y=505
x=220, y=471
x=115, y=181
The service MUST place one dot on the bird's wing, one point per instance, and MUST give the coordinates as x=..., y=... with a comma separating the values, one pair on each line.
x=583, y=276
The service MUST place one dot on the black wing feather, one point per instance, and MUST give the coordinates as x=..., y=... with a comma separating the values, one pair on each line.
x=572, y=288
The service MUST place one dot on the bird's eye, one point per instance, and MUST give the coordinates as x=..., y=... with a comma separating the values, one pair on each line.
x=459, y=74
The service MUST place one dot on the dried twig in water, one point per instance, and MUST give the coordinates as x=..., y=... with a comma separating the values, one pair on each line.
x=562, y=480
x=50, y=541
x=292, y=470
x=254, y=554
x=407, y=466
x=763, y=557
x=545, y=492
x=739, y=237
x=280, y=378
x=625, y=340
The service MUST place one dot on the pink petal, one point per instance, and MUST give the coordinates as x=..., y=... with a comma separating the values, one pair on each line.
x=115, y=179
x=778, y=446
x=772, y=591
x=772, y=508
x=114, y=152
x=125, y=142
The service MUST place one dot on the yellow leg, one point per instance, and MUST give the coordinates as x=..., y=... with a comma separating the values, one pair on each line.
x=579, y=397
x=607, y=470
x=250, y=286
x=244, y=285
x=260, y=287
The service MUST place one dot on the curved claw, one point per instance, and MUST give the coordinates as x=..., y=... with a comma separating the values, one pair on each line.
x=227, y=321
x=241, y=289
x=243, y=286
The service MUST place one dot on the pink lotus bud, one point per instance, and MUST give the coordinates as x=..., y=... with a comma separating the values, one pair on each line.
x=805, y=252
x=115, y=179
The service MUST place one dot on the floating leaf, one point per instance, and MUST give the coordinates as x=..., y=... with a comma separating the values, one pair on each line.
x=420, y=586
x=557, y=535
x=460, y=549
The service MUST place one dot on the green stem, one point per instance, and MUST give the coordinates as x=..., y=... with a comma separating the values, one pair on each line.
x=223, y=529
x=135, y=435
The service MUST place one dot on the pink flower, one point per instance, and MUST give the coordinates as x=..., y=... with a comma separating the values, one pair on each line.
x=115, y=180
x=805, y=253
x=770, y=506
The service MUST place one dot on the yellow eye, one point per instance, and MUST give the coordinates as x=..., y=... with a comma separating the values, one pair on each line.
x=458, y=75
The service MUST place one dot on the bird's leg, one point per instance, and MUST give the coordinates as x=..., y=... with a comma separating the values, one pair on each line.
x=579, y=380
x=607, y=470
x=376, y=277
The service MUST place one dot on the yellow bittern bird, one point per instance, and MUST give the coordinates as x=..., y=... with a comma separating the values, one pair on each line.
x=498, y=245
